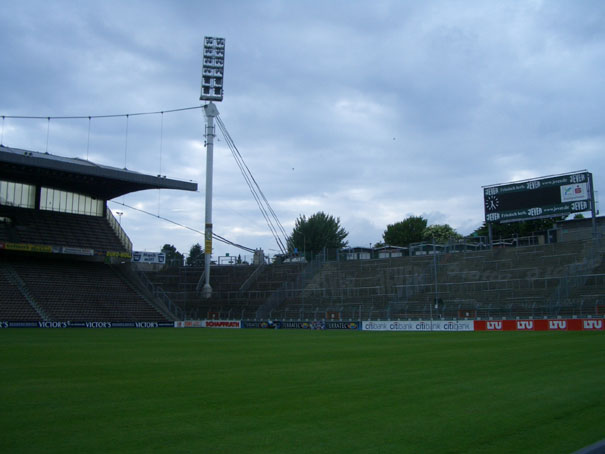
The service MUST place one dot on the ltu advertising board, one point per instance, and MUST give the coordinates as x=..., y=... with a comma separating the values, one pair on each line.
x=539, y=198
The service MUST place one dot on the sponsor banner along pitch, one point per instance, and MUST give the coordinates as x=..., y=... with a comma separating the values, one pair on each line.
x=587, y=324
x=419, y=325
x=540, y=325
x=316, y=325
x=90, y=325
x=225, y=324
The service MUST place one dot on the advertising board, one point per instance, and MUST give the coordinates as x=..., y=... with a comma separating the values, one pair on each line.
x=544, y=197
x=148, y=257
x=574, y=324
x=419, y=325
x=228, y=324
x=313, y=325
x=90, y=324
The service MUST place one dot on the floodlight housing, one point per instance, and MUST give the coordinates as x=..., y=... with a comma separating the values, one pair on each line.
x=212, y=69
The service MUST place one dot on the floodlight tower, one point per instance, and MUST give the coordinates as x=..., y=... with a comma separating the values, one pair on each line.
x=212, y=90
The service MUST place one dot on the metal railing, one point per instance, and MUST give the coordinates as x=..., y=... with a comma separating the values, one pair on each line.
x=159, y=293
x=117, y=228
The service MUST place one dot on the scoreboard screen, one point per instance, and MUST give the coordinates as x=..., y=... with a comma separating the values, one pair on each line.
x=545, y=197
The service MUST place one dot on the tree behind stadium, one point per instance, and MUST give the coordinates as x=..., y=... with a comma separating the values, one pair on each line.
x=196, y=256
x=402, y=233
x=441, y=233
x=319, y=231
x=173, y=257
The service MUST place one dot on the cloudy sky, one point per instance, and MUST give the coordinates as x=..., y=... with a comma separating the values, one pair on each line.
x=368, y=111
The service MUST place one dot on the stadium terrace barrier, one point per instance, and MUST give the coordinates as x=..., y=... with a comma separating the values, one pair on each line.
x=92, y=325
x=67, y=250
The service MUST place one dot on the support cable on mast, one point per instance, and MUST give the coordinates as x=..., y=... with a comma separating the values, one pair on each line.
x=267, y=211
x=214, y=235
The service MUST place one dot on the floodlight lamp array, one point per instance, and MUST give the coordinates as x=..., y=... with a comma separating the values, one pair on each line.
x=213, y=69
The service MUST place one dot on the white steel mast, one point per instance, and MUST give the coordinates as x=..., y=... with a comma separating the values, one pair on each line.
x=212, y=90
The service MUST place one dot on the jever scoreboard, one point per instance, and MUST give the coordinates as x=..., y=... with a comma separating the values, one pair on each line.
x=545, y=197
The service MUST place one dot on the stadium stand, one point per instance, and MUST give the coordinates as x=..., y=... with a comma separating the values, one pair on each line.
x=81, y=291
x=63, y=256
x=61, y=249
x=525, y=279
x=14, y=304
x=228, y=300
x=28, y=226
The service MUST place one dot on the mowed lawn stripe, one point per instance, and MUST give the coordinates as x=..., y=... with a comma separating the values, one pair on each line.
x=300, y=391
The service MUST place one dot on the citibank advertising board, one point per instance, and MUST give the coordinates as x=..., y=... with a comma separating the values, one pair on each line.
x=538, y=198
x=419, y=325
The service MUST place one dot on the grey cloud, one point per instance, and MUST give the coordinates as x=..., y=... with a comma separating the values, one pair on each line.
x=369, y=113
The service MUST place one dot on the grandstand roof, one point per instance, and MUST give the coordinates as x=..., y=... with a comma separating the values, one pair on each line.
x=79, y=175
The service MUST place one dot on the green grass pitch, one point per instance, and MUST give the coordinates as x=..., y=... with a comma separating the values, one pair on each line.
x=260, y=391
